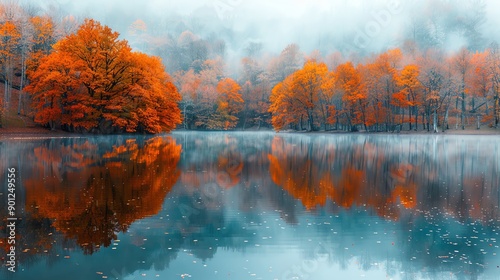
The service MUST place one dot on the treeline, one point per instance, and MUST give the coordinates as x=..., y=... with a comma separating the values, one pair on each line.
x=402, y=88
x=416, y=86
x=79, y=76
x=397, y=89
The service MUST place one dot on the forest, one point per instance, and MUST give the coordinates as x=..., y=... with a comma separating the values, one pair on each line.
x=76, y=74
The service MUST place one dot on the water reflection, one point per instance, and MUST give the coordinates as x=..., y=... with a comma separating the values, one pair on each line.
x=387, y=174
x=91, y=190
x=281, y=206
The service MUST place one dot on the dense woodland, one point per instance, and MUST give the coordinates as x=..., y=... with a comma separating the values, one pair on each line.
x=79, y=75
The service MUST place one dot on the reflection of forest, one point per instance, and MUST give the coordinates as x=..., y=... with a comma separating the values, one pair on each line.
x=90, y=190
x=422, y=183
x=419, y=173
x=386, y=174
x=83, y=192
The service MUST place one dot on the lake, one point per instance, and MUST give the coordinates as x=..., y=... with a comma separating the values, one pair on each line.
x=253, y=205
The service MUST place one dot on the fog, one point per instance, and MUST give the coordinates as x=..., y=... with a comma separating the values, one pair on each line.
x=360, y=26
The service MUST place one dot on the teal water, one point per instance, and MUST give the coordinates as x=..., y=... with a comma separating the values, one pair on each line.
x=254, y=206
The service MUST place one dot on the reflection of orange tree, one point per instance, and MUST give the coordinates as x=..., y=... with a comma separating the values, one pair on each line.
x=89, y=198
x=405, y=191
x=317, y=174
x=293, y=170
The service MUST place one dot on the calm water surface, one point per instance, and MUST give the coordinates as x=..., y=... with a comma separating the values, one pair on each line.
x=254, y=206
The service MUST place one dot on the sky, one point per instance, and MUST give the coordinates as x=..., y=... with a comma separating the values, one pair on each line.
x=357, y=25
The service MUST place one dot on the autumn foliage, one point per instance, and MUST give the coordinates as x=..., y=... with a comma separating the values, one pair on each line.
x=390, y=92
x=300, y=98
x=73, y=195
x=93, y=81
x=316, y=174
x=229, y=104
x=81, y=77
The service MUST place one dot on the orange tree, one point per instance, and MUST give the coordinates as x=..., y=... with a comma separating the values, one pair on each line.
x=93, y=82
x=409, y=96
x=354, y=97
x=229, y=104
x=300, y=96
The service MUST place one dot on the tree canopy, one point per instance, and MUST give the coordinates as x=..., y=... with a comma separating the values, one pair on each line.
x=94, y=82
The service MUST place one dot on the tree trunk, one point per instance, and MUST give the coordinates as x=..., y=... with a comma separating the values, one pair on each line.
x=410, y=112
x=416, y=119
x=349, y=123
x=310, y=121
x=428, y=120
x=21, y=94
x=245, y=122
x=445, y=125
x=324, y=115
x=402, y=119
x=496, y=109
x=435, y=128
x=462, y=116
x=6, y=92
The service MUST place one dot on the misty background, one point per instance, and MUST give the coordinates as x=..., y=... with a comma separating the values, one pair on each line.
x=359, y=26
x=320, y=24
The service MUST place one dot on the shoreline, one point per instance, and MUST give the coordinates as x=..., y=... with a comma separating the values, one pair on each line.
x=33, y=133
x=413, y=132
x=42, y=133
